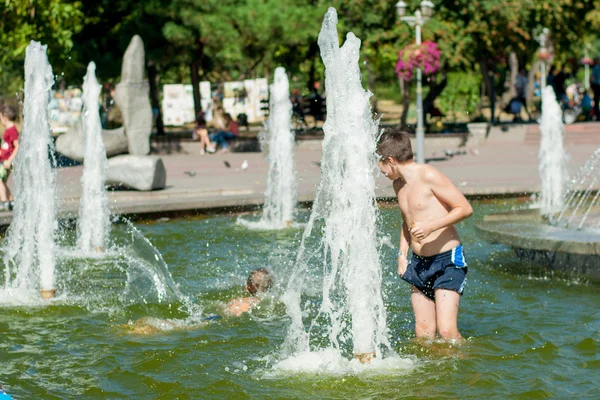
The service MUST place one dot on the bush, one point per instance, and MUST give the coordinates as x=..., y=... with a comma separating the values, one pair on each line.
x=461, y=95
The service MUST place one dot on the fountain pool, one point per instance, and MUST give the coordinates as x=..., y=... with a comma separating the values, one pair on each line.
x=529, y=336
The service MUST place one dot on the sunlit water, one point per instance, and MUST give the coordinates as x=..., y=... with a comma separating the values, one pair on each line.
x=278, y=142
x=349, y=317
x=29, y=258
x=530, y=335
x=94, y=214
x=552, y=155
x=582, y=197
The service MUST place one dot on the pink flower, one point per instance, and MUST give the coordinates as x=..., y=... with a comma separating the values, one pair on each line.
x=426, y=56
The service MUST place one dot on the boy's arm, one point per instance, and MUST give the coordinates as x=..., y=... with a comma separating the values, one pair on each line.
x=405, y=241
x=449, y=195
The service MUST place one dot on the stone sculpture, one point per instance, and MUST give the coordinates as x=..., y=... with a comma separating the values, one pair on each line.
x=132, y=98
x=70, y=144
x=137, y=172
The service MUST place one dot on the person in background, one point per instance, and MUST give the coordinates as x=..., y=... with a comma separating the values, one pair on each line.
x=8, y=152
x=595, y=84
x=521, y=88
x=201, y=134
x=220, y=138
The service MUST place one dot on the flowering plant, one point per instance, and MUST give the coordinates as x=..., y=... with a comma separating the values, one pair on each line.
x=426, y=56
x=587, y=61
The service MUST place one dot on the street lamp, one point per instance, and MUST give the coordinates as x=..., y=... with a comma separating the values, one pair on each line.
x=543, y=54
x=421, y=16
x=586, y=57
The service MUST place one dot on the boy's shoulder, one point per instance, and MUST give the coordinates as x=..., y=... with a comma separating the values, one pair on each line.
x=12, y=131
x=431, y=175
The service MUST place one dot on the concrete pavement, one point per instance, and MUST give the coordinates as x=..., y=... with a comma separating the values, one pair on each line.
x=506, y=163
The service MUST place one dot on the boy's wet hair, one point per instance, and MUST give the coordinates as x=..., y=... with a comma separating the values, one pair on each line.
x=260, y=280
x=10, y=112
x=395, y=143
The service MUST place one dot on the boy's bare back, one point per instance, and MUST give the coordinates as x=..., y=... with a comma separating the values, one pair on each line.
x=428, y=197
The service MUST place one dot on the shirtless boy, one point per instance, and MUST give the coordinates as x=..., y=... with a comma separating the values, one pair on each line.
x=430, y=205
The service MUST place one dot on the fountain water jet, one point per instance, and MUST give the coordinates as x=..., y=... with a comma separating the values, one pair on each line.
x=581, y=196
x=553, y=160
x=94, y=213
x=280, y=197
x=280, y=201
x=351, y=305
x=29, y=249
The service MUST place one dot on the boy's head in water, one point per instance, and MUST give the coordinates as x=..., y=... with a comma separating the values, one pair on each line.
x=259, y=281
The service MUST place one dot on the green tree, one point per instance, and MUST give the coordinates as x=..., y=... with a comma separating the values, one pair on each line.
x=232, y=39
x=51, y=22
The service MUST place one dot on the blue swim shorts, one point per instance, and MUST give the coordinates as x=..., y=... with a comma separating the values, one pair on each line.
x=446, y=270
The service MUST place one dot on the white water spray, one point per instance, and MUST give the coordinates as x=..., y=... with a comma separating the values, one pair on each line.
x=280, y=198
x=29, y=249
x=94, y=213
x=553, y=160
x=351, y=309
x=582, y=197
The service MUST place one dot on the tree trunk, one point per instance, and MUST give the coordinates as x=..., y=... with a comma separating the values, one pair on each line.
x=153, y=81
x=371, y=84
x=488, y=78
x=510, y=92
x=196, y=86
x=405, y=89
x=312, y=54
x=196, y=64
x=435, y=89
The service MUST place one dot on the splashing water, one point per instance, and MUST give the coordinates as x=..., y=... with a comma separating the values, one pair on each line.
x=351, y=311
x=130, y=274
x=280, y=197
x=552, y=156
x=29, y=247
x=580, y=199
x=94, y=213
x=280, y=201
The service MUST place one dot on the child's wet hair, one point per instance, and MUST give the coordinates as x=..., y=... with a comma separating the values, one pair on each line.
x=395, y=143
x=260, y=280
x=10, y=112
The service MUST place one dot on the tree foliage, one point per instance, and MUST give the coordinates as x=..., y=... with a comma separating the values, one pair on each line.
x=235, y=39
x=51, y=22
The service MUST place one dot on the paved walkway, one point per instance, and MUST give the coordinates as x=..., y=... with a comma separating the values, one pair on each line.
x=505, y=164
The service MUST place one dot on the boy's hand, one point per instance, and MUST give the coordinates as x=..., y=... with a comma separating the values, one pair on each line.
x=6, y=164
x=402, y=265
x=420, y=230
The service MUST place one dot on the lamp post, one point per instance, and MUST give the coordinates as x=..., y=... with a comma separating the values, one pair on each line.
x=586, y=56
x=421, y=16
x=544, y=54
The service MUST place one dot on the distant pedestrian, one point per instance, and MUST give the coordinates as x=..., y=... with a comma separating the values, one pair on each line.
x=595, y=83
x=8, y=152
x=231, y=131
x=521, y=88
x=201, y=134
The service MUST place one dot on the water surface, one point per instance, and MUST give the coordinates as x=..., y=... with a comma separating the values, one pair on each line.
x=530, y=335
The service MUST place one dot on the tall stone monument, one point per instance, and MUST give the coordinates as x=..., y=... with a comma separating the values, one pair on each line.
x=133, y=99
